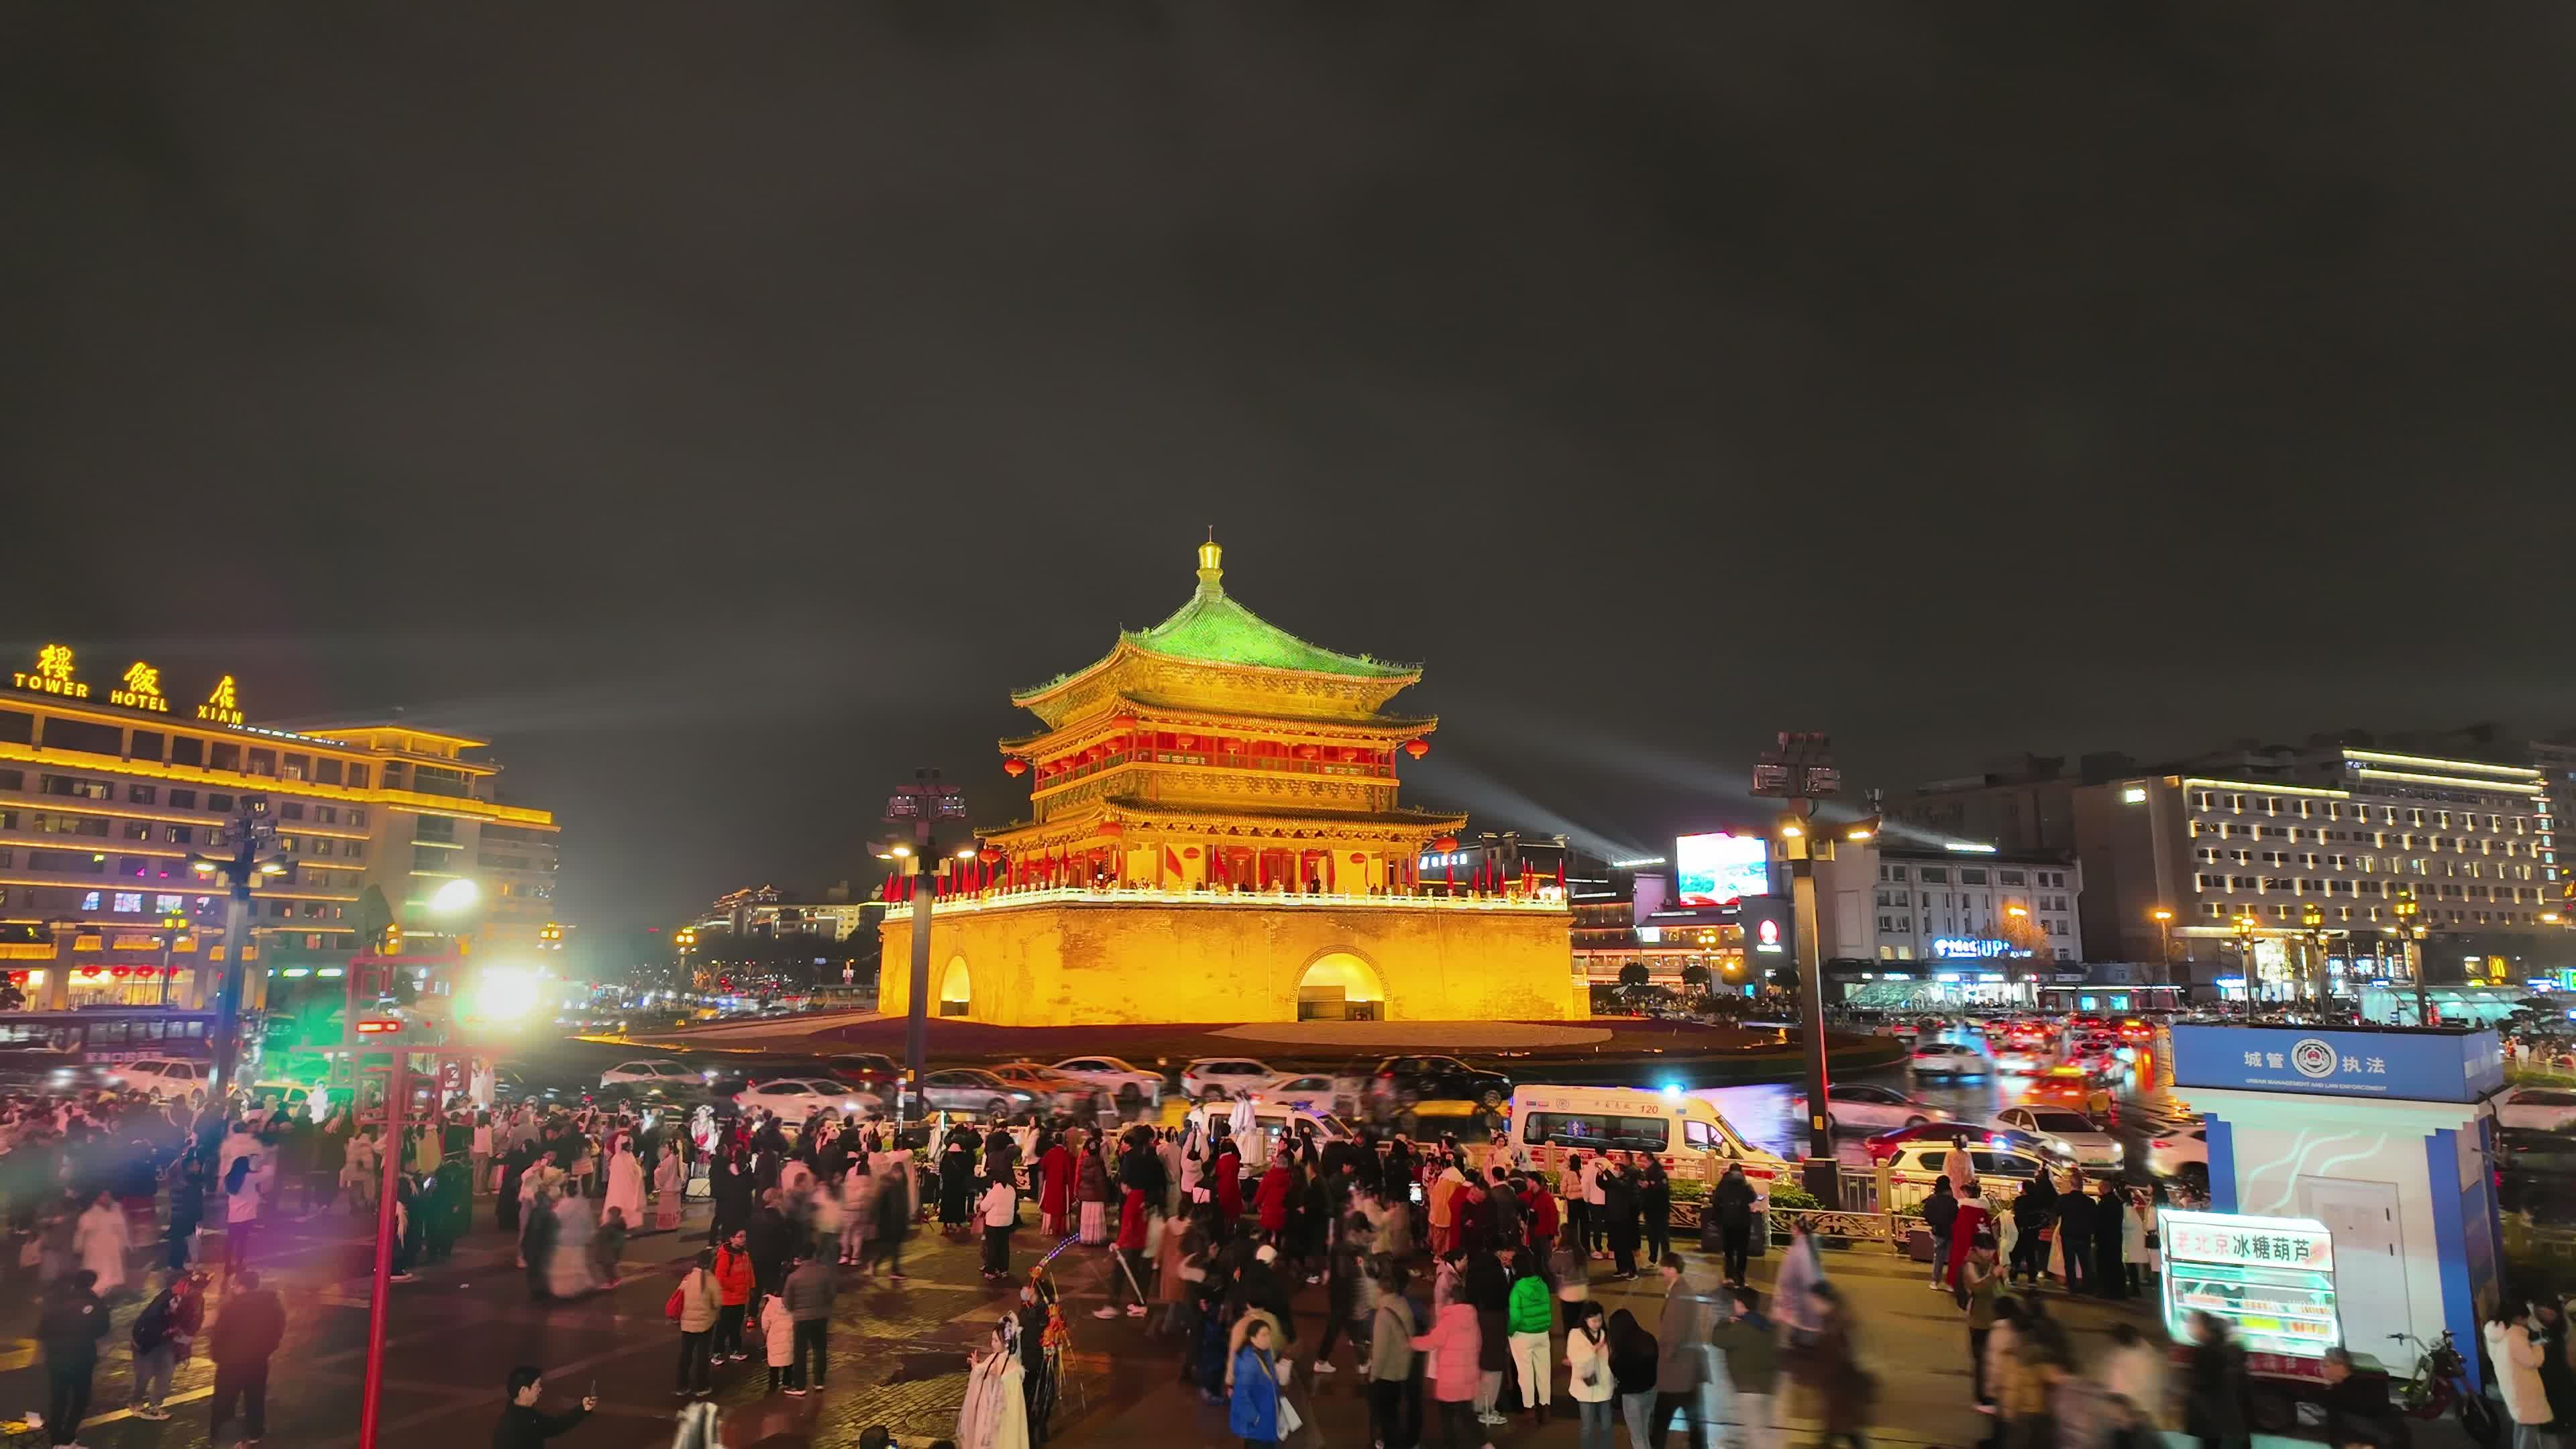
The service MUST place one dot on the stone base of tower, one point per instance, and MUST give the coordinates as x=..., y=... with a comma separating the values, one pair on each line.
x=1109, y=961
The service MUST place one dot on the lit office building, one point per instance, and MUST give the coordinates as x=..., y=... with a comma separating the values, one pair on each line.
x=108, y=788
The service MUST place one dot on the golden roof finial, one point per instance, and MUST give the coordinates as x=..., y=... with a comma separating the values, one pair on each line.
x=1211, y=556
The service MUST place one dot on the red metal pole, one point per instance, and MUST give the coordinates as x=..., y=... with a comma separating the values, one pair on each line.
x=397, y=1111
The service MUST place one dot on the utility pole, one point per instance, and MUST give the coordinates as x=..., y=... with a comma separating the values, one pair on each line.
x=253, y=837
x=2411, y=927
x=1801, y=772
x=922, y=804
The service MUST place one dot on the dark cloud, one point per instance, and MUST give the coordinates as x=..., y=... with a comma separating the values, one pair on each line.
x=726, y=409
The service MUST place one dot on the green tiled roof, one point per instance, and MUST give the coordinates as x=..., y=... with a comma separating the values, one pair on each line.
x=1214, y=628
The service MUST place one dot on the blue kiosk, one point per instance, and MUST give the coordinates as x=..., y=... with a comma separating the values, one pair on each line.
x=2381, y=1135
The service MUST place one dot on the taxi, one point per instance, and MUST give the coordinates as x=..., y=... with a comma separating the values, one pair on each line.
x=2059, y=1086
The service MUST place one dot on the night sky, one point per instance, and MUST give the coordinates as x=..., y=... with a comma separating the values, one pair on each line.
x=725, y=409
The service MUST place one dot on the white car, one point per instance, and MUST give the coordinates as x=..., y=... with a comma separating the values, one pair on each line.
x=161, y=1078
x=1276, y=1118
x=2544, y=1109
x=1323, y=1096
x=2183, y=1152
x=2067, y=1130
x=794, y=1099
x=1129, y=1084
x=1860, y=1106
x=1949, y=1059
x=1224, y=1077
x=649, y=1074
x=2000, y=1170
x=2023, y=1061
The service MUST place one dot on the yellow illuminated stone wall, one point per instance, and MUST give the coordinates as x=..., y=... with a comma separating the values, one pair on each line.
x=1086, y=963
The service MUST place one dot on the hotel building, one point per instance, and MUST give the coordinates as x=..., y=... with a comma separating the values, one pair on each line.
x=2330, y=840
x=107, y=788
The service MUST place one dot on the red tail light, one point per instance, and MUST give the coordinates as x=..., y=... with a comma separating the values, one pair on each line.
x=2163, y=1142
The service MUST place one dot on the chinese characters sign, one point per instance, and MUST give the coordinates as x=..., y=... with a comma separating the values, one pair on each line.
x=2271, y=1279
x=52, y=674
x=2409, y=1065
x=139, y=687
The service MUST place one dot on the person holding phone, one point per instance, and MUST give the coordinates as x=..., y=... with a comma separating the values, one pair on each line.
x=522, y=1425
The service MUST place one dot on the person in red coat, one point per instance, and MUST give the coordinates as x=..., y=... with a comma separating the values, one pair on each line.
x=1055, y=1187
x=1277, y=1190
x=1227, y=1172
x=1976, y=1217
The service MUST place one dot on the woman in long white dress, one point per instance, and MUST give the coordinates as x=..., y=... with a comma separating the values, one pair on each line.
x=670, y=1190
x=625, y=1185
x=568, y=1272
x=100, y=1241
x=994, y=1415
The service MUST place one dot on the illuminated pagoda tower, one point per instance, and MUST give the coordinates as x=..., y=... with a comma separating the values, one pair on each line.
x=1215, y=836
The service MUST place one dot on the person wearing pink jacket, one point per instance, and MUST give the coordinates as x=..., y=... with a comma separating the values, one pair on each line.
x=1457, y=1373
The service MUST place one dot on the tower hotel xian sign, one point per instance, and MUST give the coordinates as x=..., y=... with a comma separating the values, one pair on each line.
x=138, y=688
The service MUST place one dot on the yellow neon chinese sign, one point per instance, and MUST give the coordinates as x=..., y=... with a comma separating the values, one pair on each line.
x=53, y=674
x=142, y=690
x=221, y=707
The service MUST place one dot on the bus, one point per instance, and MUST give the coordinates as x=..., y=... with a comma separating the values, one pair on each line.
x=112, y=1033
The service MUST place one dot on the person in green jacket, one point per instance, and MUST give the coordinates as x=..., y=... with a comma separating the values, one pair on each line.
x=1751, y=1348
x=1531, y=1314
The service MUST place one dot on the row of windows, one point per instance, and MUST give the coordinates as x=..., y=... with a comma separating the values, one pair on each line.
x=90, y=737
x=1954, y=925
x=2394, y=865
x=80, y=787
x=2464, y=844
x=1972, y=875
x=2435, y=916
x=1906, y=953
x=48, y=822
x=2305, y=808
x=2304, y=886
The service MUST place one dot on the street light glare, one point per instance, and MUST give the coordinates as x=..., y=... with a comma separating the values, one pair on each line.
x=456, y=895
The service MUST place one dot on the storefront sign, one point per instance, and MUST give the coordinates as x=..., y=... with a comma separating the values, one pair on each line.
x=1970, y=948
x=2417, y=1066
x=2271, y=1279
x=221, y=707
x=141, y=690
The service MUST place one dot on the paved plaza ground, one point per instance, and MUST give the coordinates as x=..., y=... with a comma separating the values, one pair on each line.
x=899, y=1356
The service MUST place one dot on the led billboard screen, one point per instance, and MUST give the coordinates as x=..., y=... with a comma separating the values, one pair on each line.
x=1710, y=870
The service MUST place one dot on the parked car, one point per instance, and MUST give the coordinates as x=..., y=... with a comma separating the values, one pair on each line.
x=1440, y=1079
x=2066, y=1128
x=2535, y=1173
x=1321, y=1095
x=161, y=1078
x=648, y=1072
x=1208, y=1077
x=2543, y=1109
x=1976, y=1134
x=796, y=1098
x=972, y=1089
x=1131, y=1085
x=1858, y=1105
x=1950, y=1059
x=2182, y=1153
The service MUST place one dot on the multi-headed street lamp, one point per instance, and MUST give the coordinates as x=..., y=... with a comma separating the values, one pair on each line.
x=2411, y=928
x=253, y=836
x=2244, y=926
x=2312, y=926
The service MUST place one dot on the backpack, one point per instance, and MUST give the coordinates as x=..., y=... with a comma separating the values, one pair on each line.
x=152, y=1325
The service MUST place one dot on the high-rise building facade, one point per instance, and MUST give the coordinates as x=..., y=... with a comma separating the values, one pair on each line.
x=110, y=783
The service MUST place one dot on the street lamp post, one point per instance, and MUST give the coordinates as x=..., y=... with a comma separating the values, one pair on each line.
x=1801, y=772
x=2312, y=926
x=2244, y=926
x=169, y=939
x=2163, y=917
x=922, y=804
x=2411, y=927
x=253, y=837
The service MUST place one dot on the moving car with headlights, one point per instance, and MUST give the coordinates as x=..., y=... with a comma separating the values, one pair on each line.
x=1974, y=1134
x=972, y=1089
x=1858, y=1106
x=2540, y=1109
x=794, y=1099
x=2066, y=1128
x=1055, y=1092
x=162, y=1078
x=875, y=1071
x=1322, y=1095
x=1131, y=1085
x=2019, y=1060
x=651, y=1073
x=1999, y=1169
x=1224, y=1077
x=2182, y=1153
x=1692, y=1139
x=1949, y=1059
x=2059, y=1086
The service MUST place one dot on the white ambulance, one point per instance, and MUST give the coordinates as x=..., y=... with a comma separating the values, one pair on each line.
x=1692, y=1139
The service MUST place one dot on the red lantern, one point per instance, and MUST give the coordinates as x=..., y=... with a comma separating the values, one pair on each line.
x=1015, y=767
x=989, y=856
x=1112, y=829
x=1358, y=859
x=1185, y=741
x=1417, y=748
x=1307, y=752
x=169, y=970
x=1192, y=853
x=1124, y=722
x=1446, y=842
x=119, y=973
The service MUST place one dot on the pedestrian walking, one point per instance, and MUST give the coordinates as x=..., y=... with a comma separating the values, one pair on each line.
x=1532, y=1324
x=2517, y=1361
x=73, y=1321
x=1750, y=1348
x=163, y=1333
x=1829, y=1359
x=1940, y=1215
x=523, y=1425
x=1395, y=1410
x=1588, y=1378
x=1981, y=1286
x=1000, y=1212
x=810, y=1289
x=246, y=1333
x=734, y=1281
x=1683, y=1367
x=1634, y=1359
x=777, y=1329
x=1257, y=1411
x=1456, y=1379
x=697, y=1304
x=1732, y=1201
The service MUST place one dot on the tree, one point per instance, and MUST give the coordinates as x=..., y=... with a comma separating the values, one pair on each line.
x=1633, y=974
x=1695, y=976
x=2024, y=936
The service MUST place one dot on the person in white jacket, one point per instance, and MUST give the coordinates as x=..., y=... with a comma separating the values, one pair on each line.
x=1588, y=1377
x=2517, y=1364
x=778, y=1336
